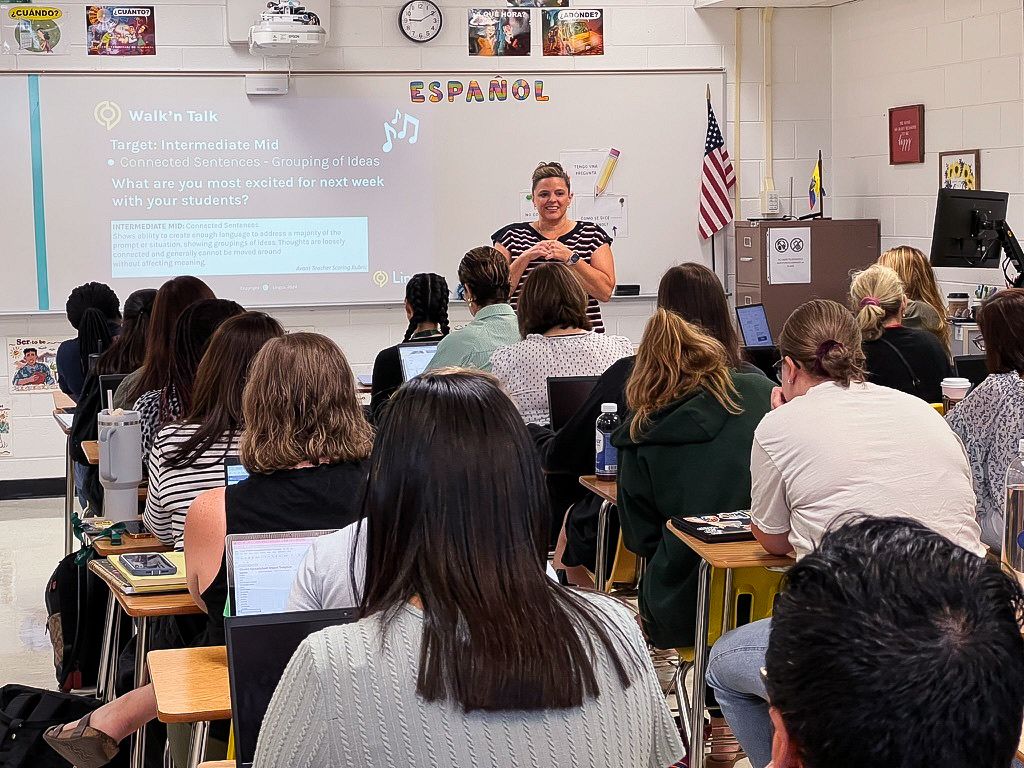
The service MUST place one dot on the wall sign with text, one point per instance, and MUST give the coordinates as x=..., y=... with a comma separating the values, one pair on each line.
x=906, y=134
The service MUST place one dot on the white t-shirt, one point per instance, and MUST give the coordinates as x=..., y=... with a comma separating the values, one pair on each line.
x=862, y=449
x=524, y=368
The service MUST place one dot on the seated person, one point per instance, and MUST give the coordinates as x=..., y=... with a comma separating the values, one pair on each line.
x=828, y=449
x=911, y=361
x=684, y=450
x=926, y=311
x=173, y=298
x=426, y=306
x=556, y=341
x=990, y=420
x=192, y=333
x=124, y=355
x=188, y=455
x=483, y=273
x=94, y=311
x=462, y=633
x=691, y=291
x=892, y=646
x=305, y=444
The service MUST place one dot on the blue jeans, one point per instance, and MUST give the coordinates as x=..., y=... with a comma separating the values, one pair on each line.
x=734, y=672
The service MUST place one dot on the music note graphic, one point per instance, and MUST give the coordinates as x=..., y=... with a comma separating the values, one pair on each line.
x=410, y=120
x=389, y=133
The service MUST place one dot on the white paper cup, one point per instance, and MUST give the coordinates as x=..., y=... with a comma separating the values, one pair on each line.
x=954, y=390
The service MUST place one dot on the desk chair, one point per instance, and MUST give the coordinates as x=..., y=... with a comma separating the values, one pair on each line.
x=761, y=586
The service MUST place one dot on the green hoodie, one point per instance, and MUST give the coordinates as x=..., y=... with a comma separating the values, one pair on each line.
x=694, y=459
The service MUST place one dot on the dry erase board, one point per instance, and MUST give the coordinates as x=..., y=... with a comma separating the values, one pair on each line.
x=338, y=191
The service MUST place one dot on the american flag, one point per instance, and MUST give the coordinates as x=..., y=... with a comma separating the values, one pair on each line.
x=716, y=179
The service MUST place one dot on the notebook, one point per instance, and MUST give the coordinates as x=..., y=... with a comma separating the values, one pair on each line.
x=727, y=526
x=175, y=582
x=259, y=648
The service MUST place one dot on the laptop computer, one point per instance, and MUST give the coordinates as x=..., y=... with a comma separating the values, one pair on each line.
x=261, y=568
x=109, y=382
x=415, y=357
x=259, y=649
x=234, y=472
x=565, y=396
x=971, y=367
x=754, y=325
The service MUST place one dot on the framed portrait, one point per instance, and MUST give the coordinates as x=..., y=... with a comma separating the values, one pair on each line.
x=960, y=169
x=906, y=134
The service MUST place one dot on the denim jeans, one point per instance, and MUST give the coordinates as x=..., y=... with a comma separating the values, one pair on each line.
x=734, y=672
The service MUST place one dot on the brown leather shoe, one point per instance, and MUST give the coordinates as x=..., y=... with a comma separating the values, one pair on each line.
x=83, y=747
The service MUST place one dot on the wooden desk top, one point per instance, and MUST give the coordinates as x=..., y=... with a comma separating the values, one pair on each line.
x=606, y=489
x=149, y=604
x=191, y=684
x=218, y=764
x=129, y=546
x=736, y=554
x=91, y=449
x=61, y=401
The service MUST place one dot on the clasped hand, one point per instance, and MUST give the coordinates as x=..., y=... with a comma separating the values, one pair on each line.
x=550, y=250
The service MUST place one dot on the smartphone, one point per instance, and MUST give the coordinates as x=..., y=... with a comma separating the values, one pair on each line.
x=148, y=565
x=135, y=529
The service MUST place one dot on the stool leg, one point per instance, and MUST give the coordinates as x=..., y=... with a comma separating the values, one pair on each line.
x=728, y=602
x=197, y=747
x=700, y=665
x=106, y=648
x=683, y=698
x=601, y=560
x=69, y=500
x=141, y=678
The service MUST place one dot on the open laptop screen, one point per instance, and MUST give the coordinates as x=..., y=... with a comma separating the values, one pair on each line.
x=415, y=358
x=754, y=326
x=259, y=649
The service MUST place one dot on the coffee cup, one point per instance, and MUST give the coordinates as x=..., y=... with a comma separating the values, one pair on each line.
x=953, y=391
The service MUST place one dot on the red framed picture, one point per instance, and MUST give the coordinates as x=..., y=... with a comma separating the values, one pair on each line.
x=906, y=134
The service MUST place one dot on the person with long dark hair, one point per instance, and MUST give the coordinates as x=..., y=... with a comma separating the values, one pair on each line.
x=172, y=299
x=486, y=658
x=125, y=355
x=192, y=334
x=94, y=311
x=188, y=455
x=426, y=306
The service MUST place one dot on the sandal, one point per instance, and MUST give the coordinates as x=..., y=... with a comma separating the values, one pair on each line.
x=84, y=747
x=725, y=749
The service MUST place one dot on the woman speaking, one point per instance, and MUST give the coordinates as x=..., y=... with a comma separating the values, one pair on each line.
x=583, y=245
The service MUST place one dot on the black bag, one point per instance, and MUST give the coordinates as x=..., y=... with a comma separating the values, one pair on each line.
x=76, y=610
x=25, y=713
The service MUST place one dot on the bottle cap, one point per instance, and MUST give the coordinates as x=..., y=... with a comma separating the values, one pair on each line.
x=609, y=408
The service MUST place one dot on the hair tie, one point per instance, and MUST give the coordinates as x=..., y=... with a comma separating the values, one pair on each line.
x=823, y=349
x=869, y=301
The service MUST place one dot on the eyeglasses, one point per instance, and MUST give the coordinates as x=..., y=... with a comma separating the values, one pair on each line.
x=777, y=369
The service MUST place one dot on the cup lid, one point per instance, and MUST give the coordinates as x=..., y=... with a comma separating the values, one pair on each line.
x=956, y=381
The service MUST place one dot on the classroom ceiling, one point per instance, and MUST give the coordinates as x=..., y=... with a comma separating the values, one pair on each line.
x=772, y=3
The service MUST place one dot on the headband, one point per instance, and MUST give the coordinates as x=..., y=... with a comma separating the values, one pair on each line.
x=869, y=301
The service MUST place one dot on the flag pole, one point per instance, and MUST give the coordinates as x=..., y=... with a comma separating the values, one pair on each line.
x=821, y=197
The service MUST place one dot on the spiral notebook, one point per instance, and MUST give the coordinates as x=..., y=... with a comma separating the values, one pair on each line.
x=711, y=529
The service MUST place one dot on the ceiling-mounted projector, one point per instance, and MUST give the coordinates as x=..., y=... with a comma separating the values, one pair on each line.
x=287, y=29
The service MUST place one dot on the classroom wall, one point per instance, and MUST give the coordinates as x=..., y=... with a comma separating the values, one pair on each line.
x=638, y=35
x=962, y=60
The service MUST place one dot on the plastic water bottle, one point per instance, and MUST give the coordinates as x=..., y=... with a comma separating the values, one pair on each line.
x=606, y=455
x=1013, y=521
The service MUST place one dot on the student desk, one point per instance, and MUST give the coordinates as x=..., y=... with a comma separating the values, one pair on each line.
x=218, y=764
x=726, y=557
x=191, y=686
x=608, y=492
x=91, y=449
x=128, y=546
x=61, y=405
x=140, y=608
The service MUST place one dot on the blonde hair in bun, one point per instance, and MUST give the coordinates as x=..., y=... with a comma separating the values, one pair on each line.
x=876, y=295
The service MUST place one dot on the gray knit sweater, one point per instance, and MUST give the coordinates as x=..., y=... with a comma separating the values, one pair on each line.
x=345, y=700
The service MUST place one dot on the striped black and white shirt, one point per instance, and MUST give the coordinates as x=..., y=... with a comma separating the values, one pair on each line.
x=585, y=238
x=172, y=490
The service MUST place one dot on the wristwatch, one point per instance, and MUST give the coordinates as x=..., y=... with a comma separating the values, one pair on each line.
x=574, y=258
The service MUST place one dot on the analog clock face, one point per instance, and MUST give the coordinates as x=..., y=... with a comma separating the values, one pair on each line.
x=420, y=20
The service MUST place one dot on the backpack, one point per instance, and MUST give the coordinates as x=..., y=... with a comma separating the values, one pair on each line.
x=76, y=602
x=25, y=713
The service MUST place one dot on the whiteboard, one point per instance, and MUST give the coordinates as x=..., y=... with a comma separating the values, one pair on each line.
x=424, y=205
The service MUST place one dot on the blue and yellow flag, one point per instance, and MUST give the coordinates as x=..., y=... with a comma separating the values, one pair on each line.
x=817, y=189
